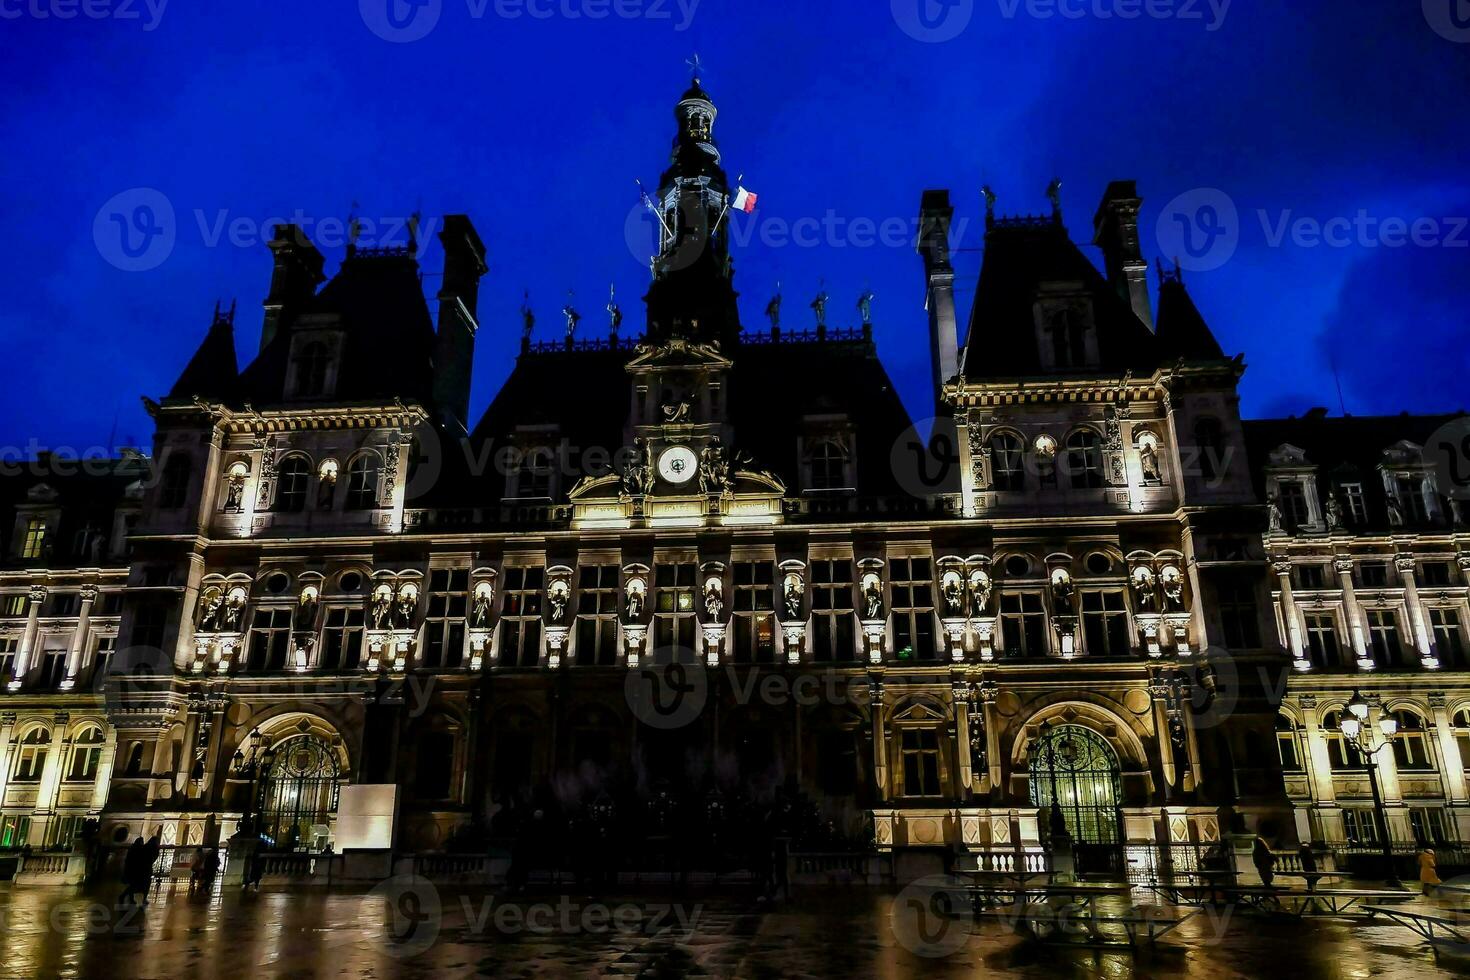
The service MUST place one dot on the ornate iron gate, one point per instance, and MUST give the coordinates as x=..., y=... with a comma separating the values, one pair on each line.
x=1076, y=769
x=300, y=792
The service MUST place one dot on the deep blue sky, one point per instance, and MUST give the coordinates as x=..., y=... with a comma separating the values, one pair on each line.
x=537, y=128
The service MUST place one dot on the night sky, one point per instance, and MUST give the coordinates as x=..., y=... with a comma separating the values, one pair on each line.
x=234, y=114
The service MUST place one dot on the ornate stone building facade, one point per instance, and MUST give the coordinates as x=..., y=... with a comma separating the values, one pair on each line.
x=682, y=572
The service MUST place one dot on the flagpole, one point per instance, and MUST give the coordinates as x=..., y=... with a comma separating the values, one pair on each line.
x=648, y=203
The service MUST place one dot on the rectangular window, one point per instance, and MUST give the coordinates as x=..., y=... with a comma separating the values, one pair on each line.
x=270, y=640
x=597, y=616
x=520, y=621
x=1105, y=624
x=444, y=620
x=15, y=831
x=7, y=658
x=342, y=639
x=1430, y=826
x=912, y=586
x=1286, y=751
x=13, y=605
x=1373, y=574
x=1322, y=639
x=755, y=617
x=1435, y=573
x=920, y=751
x=1383, y=637
x=53, y=669
x=84, y=760
x=1240, y=622
x=1023, y=625
x=1449, y=638
x=64, y=604
x=149, y=622
x=1360, y=826
x=1410, y=493
x=1311, y=576
x=30, y=758
x=1293, y=497
x=33, y=544
x=833, y=636
x=102, y=658
x=674, y=620
x=1355, y=505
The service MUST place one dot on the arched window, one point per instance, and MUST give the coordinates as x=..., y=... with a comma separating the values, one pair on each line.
x=173, y=488
x=1341, y=754
x=85, y=754
x=30, y=758
x=1007, y=462
x=1068, y=340
x=1084, y=459
x=362, y=483
x=829, y=466
x=1209, y=441
x=311, y=369
x=1288, y=745
x=1461, y=726
x=294, y=476
x=1411, y=746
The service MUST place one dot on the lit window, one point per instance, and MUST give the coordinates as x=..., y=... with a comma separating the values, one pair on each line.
x=34, y=543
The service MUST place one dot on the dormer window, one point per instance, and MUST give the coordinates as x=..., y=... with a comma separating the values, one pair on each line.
x=1068, y=340
x=1409, y=493
x=1294, y=509
x=362, y=483
x=33, y=544
x=829, y=466
x=311, y=368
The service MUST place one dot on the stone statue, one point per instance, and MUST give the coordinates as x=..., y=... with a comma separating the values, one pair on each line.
x=954, y=596
x=1173, y=585
x=633, y=607
x=480, y=614
x=1273, y=512
x=714, y=468
x=234, y=610
x=1395, y=510
x=865, y=306
x=556, y=596
x=234, y=495
x=382, y=607
x=408, y=601
x=573, y=318
x=714, y=599
x=820, y=306
x=773, y=309
x=214, y=603
x=791, y=598
x=676, y=411
x=873, y=599
x=1149, y=457
x=1143, y=589
x=980, y=589
x=1334, y=512
x=306, y=609
x=528, y=319
x=1062, y=592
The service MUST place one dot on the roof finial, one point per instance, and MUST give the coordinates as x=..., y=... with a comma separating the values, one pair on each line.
x=696, y=68
x=989, y=196
x=413, y=231
x=1054, y=194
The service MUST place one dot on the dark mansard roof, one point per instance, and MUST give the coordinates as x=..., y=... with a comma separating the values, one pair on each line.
x=1024, y=258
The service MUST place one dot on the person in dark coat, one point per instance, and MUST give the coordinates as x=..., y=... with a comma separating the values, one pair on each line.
x=151, y=851
x=131, y=863
x=1264, y=860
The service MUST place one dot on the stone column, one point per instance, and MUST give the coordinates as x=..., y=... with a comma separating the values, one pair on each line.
x=959, y=695
x=1289, y=616
x=50, y=785
x=880, y=738
x=1319, y=765
x=184, y=651
x=1452, y=765
x=28, y=638
x=1158, y=689
x=79, y=639
x=1356, y=632
x=1405, y=565
x=7, y=729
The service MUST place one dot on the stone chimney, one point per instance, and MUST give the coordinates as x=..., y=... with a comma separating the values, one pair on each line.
x=297, y=273
x=1115, y=231
x=454, y=349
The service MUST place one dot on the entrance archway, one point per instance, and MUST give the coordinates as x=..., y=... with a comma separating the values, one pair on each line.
x=300, y=793
x=1075, y=769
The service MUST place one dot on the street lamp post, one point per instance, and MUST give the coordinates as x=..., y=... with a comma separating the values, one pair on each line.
x=254, y=769
x=1356, y=731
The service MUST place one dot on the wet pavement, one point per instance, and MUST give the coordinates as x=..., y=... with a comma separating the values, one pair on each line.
x=404, y=929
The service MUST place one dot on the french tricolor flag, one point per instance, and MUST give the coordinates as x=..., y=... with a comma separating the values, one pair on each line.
x=744, y=201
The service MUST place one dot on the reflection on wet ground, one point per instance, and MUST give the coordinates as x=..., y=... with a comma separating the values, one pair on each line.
x=418, y=932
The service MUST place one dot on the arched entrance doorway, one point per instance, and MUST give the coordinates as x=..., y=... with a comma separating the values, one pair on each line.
x=300, y=793
x=1075, y=769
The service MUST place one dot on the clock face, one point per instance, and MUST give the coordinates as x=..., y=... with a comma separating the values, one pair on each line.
x=678, y=464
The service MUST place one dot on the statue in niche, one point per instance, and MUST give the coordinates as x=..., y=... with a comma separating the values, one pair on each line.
x=792, y=596
x=1172, y=583
x=484, y=601
x=382, y=607
x=714, y=599
x=235, y=494
x=633, y=602
x=557, y=596
x=1334, y=512
x=233, y=612
x=1148, y=455
x=209, y=619
x=980, y=589
x=408, y=601
x=306, y=608
x=953, y=590
x=1273, y=512
x=1143, y=589
x=1062, y=591
x=872, y=598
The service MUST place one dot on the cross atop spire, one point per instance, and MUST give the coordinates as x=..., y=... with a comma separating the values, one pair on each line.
x=696, y=68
